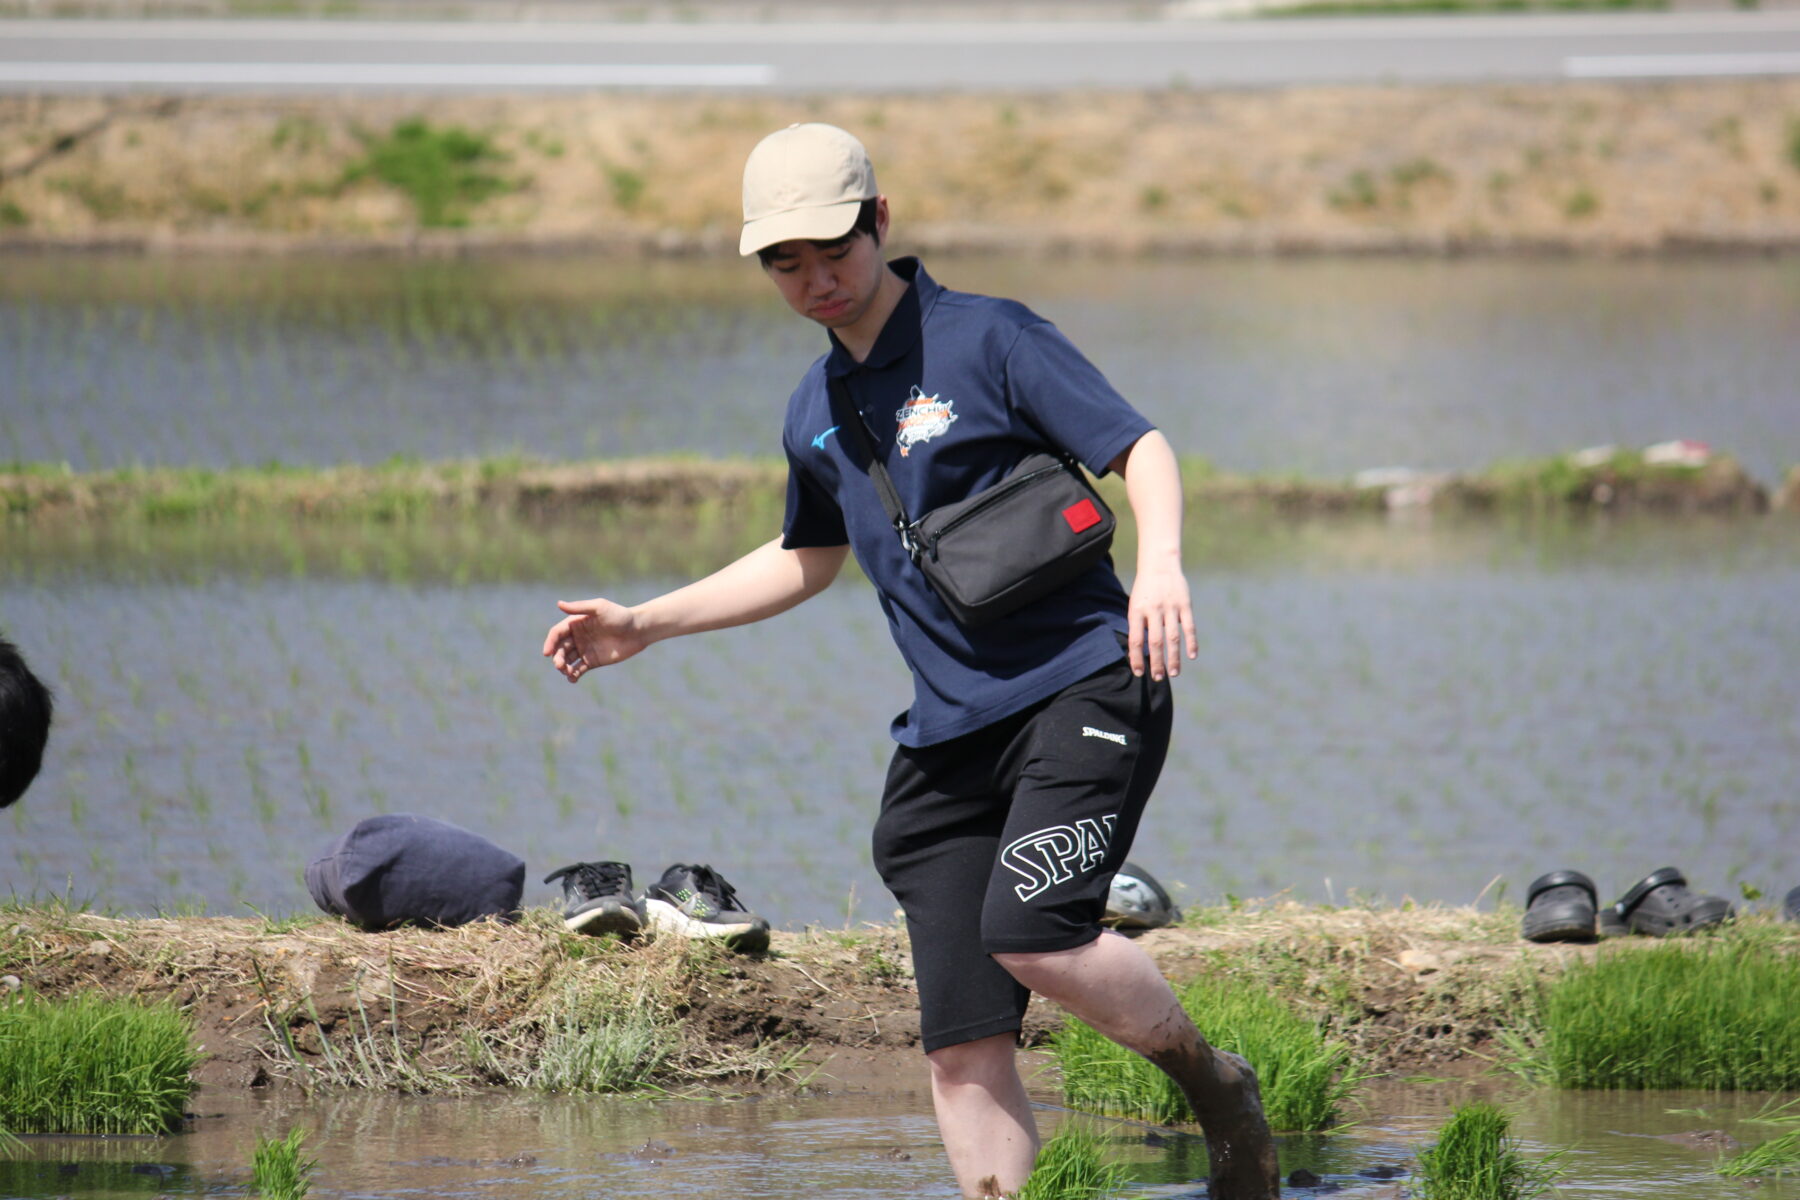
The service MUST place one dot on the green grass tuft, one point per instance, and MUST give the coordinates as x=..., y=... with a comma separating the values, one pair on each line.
x=1717, y=1015
x=605, y=1044
x=1476, y=1158
x=1305, y=1077
x=444, y=171
x=1071, y=1166
x=597, y=1034
x=278, y=1171
x=1779, y=1156
x=90, y=1064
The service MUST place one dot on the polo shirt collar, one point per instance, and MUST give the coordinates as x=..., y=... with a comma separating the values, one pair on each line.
x=901, y=333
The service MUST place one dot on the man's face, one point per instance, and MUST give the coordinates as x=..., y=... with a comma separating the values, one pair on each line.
x=832, y=283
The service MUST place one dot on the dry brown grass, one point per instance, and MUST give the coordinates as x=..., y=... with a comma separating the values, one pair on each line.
x=1590, y=166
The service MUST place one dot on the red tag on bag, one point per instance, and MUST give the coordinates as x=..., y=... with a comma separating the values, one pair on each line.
x=1082, y=516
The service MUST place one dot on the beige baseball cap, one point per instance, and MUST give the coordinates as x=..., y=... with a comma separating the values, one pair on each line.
x=805, y=181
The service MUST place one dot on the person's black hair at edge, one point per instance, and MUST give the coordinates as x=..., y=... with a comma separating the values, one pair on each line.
x=865, y=223
x=25, y=711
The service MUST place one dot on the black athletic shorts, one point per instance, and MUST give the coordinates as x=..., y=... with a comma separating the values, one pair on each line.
x=1006, y=840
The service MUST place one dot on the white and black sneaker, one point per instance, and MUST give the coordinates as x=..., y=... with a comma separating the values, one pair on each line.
x=597, y=898
x=695, y=901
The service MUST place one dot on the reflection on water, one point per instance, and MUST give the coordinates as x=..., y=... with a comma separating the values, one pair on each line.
x=1323, y=366
x=1392, y=710
x=845, y=1144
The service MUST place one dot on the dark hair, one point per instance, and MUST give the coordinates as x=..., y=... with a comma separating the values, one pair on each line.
x=865, y=223
x=25, y=709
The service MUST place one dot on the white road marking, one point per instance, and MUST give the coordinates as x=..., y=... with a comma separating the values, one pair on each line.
x=1671, y=66
x=941, y=33
x=428, y=75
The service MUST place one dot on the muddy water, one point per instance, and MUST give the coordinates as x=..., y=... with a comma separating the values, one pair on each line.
x=848, y=1143
x=1318, y=366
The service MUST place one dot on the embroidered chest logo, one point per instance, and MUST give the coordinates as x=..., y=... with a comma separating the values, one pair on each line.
x=922, y=418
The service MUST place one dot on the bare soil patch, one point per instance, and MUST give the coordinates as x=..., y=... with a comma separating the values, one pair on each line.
x=1623, y=167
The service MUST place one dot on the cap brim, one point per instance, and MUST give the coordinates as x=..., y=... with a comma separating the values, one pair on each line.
x=822, y=224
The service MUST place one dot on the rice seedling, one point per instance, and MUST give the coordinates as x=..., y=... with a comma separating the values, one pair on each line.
x=92, y=1064
x=1306, y=1078
x=1477, y=1158
x=1716, y=1015
x=1072, y=1166
x=1778, y=1156
x=278, y=1170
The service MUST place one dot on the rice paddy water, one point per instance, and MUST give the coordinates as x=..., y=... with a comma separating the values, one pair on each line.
x=862, y=1141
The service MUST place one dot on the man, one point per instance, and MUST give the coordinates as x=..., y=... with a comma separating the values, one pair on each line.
x=1032, y=742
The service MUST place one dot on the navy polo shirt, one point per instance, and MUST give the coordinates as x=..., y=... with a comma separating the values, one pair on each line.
x=956, y=391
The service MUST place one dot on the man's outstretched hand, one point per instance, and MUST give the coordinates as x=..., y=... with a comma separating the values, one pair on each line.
x=596, y=633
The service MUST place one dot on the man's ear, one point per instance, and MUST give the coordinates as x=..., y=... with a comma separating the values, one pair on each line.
x=881, y=220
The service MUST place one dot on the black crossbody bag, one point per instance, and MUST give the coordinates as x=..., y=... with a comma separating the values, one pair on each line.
x=1005, y=546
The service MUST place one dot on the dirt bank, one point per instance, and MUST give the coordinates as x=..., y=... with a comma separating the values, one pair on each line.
x=1410, y=989
x=1568, y=167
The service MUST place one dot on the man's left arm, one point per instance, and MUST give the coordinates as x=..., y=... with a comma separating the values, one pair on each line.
x=1161, y=612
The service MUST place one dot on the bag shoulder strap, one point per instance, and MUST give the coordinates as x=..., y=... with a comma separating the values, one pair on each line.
x=878, y=472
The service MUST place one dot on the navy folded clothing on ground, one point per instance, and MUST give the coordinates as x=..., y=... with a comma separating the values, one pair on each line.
x=400, y=868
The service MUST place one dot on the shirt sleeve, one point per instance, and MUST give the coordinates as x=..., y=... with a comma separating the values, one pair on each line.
x=813, y=516
x=1068, y=400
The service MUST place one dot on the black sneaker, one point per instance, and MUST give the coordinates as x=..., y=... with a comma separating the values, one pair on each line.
x=597, y=898
x=695, y=901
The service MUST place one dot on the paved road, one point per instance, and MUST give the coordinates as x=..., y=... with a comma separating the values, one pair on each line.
x=257, y=55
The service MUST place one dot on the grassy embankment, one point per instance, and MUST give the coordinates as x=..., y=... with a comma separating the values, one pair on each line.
x=530, y=1005
x=707, y=492
x=1589, y=166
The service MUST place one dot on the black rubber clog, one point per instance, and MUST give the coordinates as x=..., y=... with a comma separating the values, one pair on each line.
x=1661, y=905
x=1559, y=907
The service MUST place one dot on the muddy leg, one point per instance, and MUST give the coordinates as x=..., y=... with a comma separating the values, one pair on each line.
x=1221, y=1088
x=1115, y=987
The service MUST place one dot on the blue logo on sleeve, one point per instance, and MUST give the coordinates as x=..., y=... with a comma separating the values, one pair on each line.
x=819, y=442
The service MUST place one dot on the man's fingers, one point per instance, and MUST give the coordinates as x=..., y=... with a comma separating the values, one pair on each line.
x=1134, y=645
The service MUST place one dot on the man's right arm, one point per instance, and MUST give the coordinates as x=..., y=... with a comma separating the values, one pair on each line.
x=764, y=582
